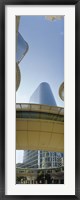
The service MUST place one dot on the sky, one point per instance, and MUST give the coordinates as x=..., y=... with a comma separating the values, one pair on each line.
x=44, y=61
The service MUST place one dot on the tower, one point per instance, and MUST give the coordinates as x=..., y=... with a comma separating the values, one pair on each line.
x=43, y=95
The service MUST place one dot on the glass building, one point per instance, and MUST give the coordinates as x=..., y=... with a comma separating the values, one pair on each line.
x=42, y=159
x=43, y=95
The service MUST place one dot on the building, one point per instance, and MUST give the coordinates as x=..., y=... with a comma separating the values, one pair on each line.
x=40, y=126
x=42, y=159
x=30, y=159
x=40, y=133
x=43, y=95
x=21, y=49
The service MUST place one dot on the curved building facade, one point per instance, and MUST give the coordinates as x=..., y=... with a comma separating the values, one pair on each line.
x=39, y=127
x=43, y=95
x=21, y=49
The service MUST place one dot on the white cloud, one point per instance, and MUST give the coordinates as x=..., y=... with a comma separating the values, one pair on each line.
x=53, y=17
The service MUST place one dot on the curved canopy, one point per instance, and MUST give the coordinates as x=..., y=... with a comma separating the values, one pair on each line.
x=39, y=133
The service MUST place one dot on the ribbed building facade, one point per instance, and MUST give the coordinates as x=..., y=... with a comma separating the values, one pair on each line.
x=42, y=159
x=30, y=159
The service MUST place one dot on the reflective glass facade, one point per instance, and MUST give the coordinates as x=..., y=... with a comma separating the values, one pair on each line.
x=43, y=95
x=42, y=159
x=22, y=48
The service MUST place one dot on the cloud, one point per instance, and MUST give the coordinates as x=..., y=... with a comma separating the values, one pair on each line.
x=53, y=17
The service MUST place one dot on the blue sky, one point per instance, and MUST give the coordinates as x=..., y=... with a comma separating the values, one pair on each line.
x=44, y=61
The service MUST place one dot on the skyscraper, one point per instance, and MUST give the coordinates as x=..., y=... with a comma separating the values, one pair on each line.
x=43, y=95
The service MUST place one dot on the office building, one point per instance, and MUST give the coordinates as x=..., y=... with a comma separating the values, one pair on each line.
x=42, y=159
x=43, y=95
